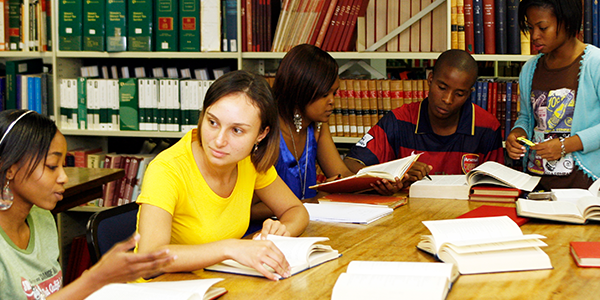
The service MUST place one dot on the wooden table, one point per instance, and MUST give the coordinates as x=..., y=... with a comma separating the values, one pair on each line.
x=85, y=184
x=395, y=238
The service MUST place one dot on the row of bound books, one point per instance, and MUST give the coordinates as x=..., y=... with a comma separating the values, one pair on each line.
x=487, y=27
x=27, y=85
x=591, y=23
x=148, y=25
x=360, y=103
x=501, y=98
x=121, y=191
x=149, y=104
x=25, y=25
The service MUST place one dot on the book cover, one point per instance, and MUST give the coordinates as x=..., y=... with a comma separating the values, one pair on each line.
x=500, y=18
x=478, y=27
x=495, y=211
x=372, y=199
x=14, y=25
x=513, y=36
x=326, y=23
x=167, y=30
x=460, y=24
x=231, y=25
x=140, y=25
x=453, y=24
x=116, y=25
x=415, y=28
x=489, y=27
x=369, y=175
x=587, y=21
x=491, y=190
x=586, y=254
x=426, y=29
x=323, y=9
x=94, y=24
x=70, y=25
x=210, y=27
x=189, y=22
x=439, y=39
x=128, y=104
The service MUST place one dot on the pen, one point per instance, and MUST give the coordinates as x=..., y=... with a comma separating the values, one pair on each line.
x=427, y=175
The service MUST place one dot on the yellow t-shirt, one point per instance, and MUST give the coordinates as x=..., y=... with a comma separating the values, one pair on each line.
x=174, y=183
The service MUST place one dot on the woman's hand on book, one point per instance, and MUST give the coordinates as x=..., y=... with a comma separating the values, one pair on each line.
x=274, y=227
x=258, y=253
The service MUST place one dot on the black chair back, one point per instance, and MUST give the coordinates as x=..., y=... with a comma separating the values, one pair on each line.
x=108, y=227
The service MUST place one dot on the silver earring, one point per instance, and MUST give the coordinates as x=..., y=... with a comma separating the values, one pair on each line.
x=255, y=147
x=6, y=201
x=298, y=121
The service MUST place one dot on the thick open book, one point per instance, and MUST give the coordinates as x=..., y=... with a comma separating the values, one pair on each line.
x=395, y=280
x=174, y=290
x=569, y=205
x=488, y=173
x=302, y=253
x=484, y=245
x=369, y=175
x=578, y=212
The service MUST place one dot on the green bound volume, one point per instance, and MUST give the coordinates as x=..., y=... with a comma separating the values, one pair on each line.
x=70, y=25
x=82, y=110
x=139, y=29
x=116, y=25
x=128, y=104
x=189, y=28
x=167, y=20
x=14, y=24
x=94, y=21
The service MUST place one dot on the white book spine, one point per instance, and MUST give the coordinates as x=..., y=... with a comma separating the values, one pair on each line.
x=210, y=25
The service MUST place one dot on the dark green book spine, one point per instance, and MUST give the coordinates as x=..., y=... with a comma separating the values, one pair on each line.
x=167, y=33
x=189, y=28
x=70, y=25
x=116, y=25
x=140, y=17
x=14, y=25
x=94, y=22
x=15, y=67
x=128, y=104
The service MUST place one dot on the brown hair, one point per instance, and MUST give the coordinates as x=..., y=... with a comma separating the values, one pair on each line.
x=257, y=89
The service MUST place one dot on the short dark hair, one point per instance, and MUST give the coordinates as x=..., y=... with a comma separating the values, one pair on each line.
x=257, y=89
x=458, y=59
x=567, y=13
x=27, y=143
x=305, y=74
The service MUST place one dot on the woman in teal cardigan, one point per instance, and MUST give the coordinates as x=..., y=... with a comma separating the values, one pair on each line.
x=560, y=98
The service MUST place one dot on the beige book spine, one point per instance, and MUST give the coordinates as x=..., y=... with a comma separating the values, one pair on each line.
x=358, y=110
x=408, y=92
x=396, y=93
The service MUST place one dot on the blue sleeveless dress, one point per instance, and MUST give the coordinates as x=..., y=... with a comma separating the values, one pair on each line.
x=287, y=167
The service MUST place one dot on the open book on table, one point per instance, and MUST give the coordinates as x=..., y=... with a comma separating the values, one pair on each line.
x=365, y=199
x=174, y=290
x=484, y=245
x=488, y=173
x=366, y=176
x=570, y=205
x=346, y=213
x=395, y=280
x=302, y=253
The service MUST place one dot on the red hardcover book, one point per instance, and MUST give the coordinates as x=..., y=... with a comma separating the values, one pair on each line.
x=112, y=161
x=492, y=105
x=586, y=254
x=489, y=27
x=131, y=176
x=333, y=25
x=495, y=211
x=326, y=23
x=342, y=26
x=350, y=28
x=81, y=156
x=514, y=103
x=493, y=198
x=322, y=9
x=494, y=191
x=120, y=189
x=244, y=24
x=389, y=201
x=469, y=29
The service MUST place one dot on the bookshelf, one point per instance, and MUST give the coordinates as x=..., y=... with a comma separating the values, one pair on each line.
x=67, y=64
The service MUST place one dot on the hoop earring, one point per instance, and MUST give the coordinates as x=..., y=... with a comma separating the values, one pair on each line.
x=6, y=200
x=298, y=121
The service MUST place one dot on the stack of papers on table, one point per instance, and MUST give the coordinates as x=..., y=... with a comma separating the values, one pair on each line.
x=346, y=213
